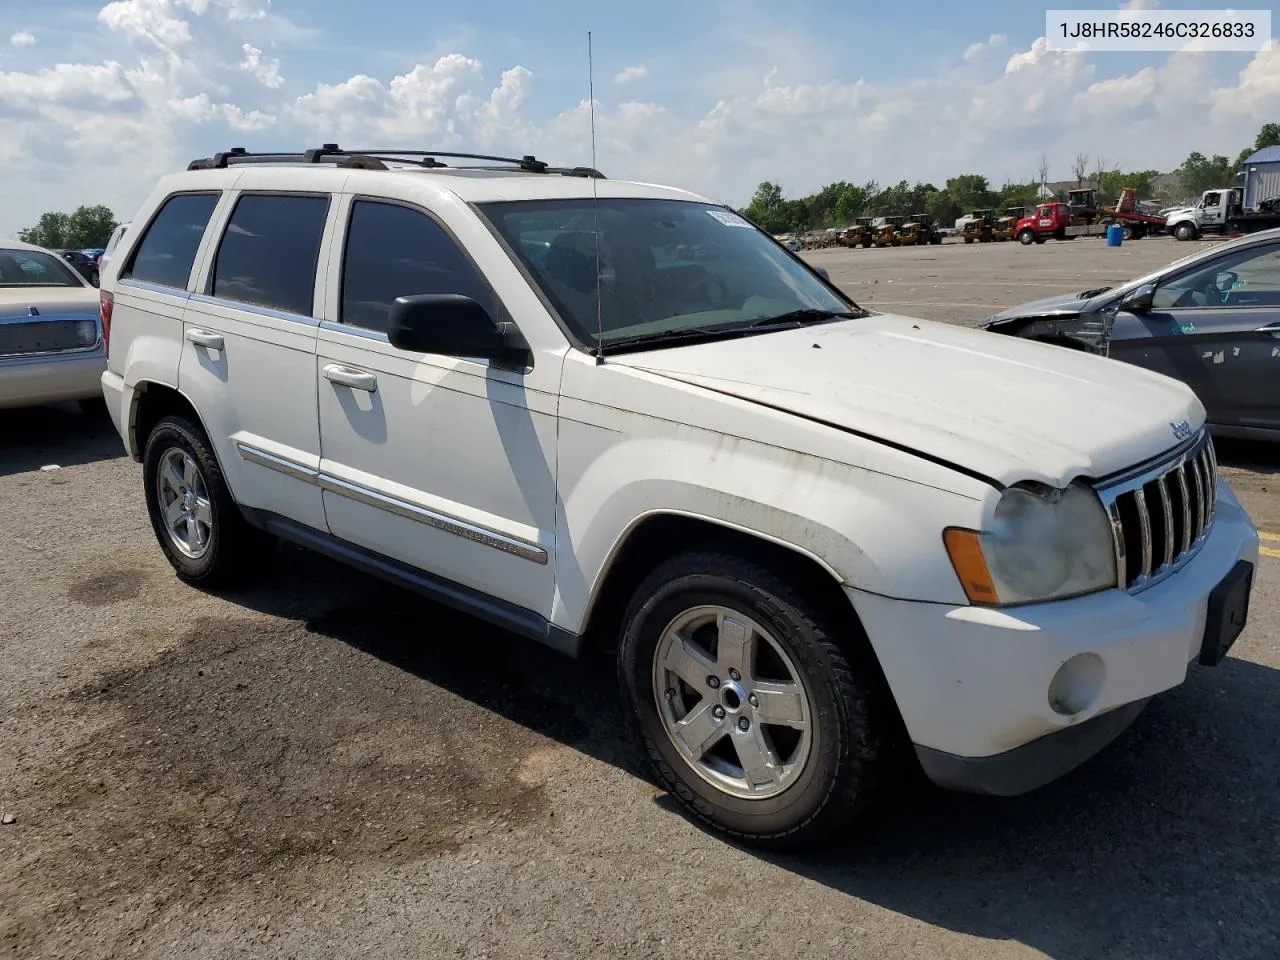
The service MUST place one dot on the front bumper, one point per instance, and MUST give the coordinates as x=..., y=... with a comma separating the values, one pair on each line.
x=51, y=378
x=973, y=684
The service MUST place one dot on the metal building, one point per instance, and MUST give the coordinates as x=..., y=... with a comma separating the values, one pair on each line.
x=1261, y=174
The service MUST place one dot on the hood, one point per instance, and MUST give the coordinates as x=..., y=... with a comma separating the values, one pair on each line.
x=1060, y=305
x=1179, y=213
x=1005, y=408
x=51, y=302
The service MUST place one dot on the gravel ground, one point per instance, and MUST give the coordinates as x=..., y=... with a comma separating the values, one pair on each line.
x=326, y=767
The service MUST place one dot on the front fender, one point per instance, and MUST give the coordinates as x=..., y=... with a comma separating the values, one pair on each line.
x=880, y=533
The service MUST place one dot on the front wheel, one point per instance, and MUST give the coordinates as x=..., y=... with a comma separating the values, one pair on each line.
x=759, y=713
x=1027, y=237
x=1184, y=231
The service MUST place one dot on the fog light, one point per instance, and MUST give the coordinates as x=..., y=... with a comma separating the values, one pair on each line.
x=1076, y=685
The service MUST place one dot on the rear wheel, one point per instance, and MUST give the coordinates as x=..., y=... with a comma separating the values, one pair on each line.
x=759, y=713
x=201, y=530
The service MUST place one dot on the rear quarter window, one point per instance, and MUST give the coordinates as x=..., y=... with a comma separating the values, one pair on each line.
x=167, y=250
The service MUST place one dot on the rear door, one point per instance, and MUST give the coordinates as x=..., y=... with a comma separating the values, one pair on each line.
x=249, y=345
x=1216, y=327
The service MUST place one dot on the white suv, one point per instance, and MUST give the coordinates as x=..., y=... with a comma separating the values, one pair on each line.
x=593, y=410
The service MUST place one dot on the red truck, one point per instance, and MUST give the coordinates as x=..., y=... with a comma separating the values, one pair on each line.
x=1082, y=217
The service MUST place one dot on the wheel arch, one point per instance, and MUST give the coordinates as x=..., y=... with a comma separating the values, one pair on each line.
x=660, y=534
x=150, y=403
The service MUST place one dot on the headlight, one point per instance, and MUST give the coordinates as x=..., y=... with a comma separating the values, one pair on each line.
x=1044, y=544
x=87, y=333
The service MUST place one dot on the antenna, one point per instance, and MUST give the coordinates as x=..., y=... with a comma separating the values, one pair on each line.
x=595, y=201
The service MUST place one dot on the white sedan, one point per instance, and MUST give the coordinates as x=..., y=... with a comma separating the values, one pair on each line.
x=51, y=345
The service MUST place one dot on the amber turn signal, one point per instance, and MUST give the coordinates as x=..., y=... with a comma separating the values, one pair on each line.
x=970, y=565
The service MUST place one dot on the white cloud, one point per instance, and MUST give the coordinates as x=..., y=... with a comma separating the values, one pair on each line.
x=22, y=38
x=266, y=70
x=1028, y=58
x=629, y=74
x=975, y=50
x=1139, y=4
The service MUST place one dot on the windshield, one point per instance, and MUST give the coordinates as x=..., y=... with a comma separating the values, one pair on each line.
x=665, y=267
x=31, y=268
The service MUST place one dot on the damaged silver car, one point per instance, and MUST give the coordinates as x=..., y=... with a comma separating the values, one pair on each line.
x=1211, y=320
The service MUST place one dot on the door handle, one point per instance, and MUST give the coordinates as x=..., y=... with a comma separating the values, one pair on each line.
x=1271, y=328
x=348, y=377
x=203, y=338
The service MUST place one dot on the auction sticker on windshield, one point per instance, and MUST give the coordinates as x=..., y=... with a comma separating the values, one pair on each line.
x=729, y=219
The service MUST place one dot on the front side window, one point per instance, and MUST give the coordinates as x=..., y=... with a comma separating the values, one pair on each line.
x=395, y=251
x=32, y=268
x=270, y=250
x=1245, y=278
x=168, y=248
x=634, y=269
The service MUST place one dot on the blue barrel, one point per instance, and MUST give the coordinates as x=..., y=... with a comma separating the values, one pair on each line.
x=1115, y=235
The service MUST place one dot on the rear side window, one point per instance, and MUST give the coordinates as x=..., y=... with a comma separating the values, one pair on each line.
x=269, y=253
x=168, y=248
x=394, y=251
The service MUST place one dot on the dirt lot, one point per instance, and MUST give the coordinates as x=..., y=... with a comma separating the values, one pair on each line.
x=325, y=767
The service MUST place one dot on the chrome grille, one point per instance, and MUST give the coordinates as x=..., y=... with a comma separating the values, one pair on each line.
x=1161, y=514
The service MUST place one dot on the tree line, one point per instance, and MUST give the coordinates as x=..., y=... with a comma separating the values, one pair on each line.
x=839, y=204
x=85, y=228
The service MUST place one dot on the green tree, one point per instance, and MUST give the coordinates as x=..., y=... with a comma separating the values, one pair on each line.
x=971, y=191
x=50, y=231
x=766, y=208
x=1113, y=182
x=1268, y=136
x=1018, y=195
x=90, y=227
x=85, y=227
x=852, y=201
x=1199, y=173
x=944, y=210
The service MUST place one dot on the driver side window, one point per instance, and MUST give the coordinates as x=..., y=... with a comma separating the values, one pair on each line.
x=1245, y=278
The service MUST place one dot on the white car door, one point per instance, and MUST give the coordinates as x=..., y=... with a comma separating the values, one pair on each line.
x=442, y=463
x=248, y=356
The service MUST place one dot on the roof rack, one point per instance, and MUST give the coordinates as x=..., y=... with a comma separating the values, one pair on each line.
x=373, y=160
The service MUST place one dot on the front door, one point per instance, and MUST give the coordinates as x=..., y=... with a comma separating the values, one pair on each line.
x=1216, y=327
x=442, y=463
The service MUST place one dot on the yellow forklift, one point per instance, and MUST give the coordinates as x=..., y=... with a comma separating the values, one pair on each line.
x=1007, y=224
x=886, y=234
x=860, y=234
x=980, y=226
x=919, y=229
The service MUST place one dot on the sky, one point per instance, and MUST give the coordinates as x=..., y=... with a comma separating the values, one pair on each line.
x=97, y=99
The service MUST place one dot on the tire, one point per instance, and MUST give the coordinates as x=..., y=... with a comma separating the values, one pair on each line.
x=829, y=770
x=968, y=239
x=1027, y=237
x=1185, y=231
x=221, y=549
x=1126, y=233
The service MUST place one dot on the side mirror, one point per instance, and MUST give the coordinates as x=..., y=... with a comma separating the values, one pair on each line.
x=822, y=272
x=454, y=326
x=1225, y=281
x=1139, y=300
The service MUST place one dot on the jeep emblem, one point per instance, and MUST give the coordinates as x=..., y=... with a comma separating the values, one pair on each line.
x=1181, y=429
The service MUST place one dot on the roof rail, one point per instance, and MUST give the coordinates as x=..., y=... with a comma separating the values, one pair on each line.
x=373, y=159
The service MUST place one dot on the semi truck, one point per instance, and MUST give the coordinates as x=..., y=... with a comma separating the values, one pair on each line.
x=1223, y=211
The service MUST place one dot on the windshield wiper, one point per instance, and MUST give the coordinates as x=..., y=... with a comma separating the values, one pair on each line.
x=805, y=316
x=704, y=334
